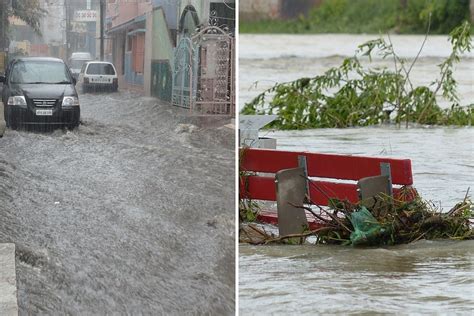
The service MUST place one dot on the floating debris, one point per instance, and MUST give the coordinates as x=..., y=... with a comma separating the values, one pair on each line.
x=390, y=222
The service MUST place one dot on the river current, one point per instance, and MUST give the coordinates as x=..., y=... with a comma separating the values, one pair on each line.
x=427, y=277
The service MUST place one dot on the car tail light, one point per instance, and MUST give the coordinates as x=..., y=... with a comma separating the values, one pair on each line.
x=115, y=80
x=86, y=80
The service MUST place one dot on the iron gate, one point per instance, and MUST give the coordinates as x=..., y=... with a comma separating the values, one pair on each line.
x=203, y=76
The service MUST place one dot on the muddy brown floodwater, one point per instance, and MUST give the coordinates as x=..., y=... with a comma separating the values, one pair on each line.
x=427, y=277
x=132, y=213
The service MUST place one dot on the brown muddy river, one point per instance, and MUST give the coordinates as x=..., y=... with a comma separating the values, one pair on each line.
x=427, y=277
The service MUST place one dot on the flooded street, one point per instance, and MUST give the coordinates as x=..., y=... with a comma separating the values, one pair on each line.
x=131, y=213
x=426, y=277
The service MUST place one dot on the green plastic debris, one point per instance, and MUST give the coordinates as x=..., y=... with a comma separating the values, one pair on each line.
x=367, y=230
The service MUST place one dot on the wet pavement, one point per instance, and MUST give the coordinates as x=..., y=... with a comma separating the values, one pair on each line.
x=131, y=213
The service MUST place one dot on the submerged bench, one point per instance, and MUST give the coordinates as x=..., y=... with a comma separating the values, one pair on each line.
x=329, y=169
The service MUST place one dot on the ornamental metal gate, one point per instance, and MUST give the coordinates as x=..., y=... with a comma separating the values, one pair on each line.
x=203, y=77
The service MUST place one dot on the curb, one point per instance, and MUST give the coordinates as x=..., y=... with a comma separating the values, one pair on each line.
x=8, y=291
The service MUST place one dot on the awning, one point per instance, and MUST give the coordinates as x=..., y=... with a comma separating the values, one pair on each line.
x=136, y=31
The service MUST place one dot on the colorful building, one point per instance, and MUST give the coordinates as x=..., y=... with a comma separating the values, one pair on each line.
x=143, y=39
x=165, y=29
x=125, y=44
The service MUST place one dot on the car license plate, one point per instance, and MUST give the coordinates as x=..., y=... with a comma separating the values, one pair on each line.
x=44, y=112
x=101, y=80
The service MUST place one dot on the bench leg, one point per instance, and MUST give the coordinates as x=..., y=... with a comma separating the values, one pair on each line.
x=291, y=191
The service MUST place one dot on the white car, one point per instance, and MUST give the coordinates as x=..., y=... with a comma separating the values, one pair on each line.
x=75, y=65
x=77, y=60
x=98, y=76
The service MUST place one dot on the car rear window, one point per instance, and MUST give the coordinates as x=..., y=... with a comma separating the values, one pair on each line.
x=100, y=69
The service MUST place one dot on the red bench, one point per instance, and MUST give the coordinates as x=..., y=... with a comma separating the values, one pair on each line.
x=328, y=168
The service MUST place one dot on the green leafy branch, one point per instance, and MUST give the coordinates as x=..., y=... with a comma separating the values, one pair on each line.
x=351, y=95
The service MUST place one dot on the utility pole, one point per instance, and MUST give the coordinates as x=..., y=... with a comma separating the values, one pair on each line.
x=6, y=7
x=4, y=18
x=102, y=14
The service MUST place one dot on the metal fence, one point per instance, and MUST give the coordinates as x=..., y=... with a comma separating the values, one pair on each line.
x=203, y=77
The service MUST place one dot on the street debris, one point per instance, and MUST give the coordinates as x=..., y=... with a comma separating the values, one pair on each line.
x=185, y=128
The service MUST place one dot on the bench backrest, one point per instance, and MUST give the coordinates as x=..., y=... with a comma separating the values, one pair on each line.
x=330, y=167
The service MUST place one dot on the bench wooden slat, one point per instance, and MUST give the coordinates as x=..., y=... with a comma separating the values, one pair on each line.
x=326, y=165
x=263, y=188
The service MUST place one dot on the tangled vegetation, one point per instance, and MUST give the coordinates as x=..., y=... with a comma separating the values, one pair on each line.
x=388, y=222
x=351, y=95
x=369, y=16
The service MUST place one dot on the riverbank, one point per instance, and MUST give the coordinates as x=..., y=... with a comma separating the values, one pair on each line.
x=369, y=17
